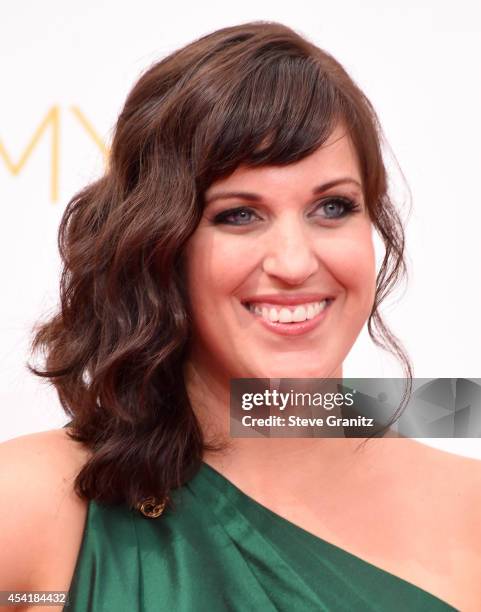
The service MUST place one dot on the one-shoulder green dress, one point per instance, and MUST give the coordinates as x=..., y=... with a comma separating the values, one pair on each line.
x=221, y=550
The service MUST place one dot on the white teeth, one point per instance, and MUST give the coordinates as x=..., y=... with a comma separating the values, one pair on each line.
x=284, y=314
x=300, y=314
x=273, y=315
x=270, y=314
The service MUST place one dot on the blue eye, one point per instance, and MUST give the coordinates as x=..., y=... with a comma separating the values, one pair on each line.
x=334, y=207
x=240, y=214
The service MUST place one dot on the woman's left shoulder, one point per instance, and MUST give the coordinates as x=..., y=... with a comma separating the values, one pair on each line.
x=452, y=495
x=455, y=483
x=451, y=473
x=465, y=470
x=462, y=473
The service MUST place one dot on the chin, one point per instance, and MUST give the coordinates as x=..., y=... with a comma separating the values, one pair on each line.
x=293, y=371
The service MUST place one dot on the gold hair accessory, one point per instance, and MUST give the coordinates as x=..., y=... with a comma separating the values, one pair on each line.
x=150, y=508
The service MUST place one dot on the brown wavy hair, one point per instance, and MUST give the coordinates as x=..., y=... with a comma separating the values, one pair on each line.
x=253, y=94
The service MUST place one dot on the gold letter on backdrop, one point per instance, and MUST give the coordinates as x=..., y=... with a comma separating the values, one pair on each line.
x=91, y=131
x=51, y=119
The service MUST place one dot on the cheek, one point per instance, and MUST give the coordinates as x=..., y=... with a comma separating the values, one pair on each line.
x=352, y=262
x=215, y=267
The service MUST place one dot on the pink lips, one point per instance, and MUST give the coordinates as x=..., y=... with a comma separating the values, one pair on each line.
x=292, y=329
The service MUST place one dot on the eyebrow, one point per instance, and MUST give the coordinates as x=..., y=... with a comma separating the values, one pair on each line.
x=254, y=197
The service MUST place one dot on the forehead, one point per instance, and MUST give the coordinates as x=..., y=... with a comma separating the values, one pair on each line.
x=335, y=159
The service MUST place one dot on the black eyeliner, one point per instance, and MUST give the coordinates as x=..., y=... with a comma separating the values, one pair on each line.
x=220, y=217
x=350, y=207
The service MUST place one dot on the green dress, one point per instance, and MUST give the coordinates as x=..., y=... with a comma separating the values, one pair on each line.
x=221, y=550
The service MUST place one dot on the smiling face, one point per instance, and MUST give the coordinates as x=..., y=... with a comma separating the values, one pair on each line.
x=299, y=231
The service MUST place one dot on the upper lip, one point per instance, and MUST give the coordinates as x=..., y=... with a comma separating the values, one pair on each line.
x=299, y=298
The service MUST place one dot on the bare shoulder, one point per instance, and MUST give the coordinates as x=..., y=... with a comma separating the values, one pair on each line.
x=434, y=497
x=461, y=493
x=452, y=498
x=449, y=479
x=46, y=446
x=461, y=474
x=464, y=483
x=41, y=517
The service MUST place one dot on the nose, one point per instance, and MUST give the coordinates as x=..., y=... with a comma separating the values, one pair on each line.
x=290, y=254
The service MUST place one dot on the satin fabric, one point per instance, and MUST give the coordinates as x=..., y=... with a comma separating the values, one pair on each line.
x=221, y=550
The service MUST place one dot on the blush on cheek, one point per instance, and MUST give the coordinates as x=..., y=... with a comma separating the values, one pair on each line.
x=355, y=270
x=238, y=258
x=353, y=267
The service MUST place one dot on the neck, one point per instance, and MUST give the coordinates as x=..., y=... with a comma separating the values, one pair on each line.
x=262, y=465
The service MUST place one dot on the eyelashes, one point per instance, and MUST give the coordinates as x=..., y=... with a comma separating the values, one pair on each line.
x=335, y=208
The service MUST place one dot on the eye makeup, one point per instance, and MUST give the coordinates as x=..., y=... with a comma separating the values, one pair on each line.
x=335, y=207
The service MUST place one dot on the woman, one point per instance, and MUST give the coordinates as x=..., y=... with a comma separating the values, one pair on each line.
x=245, y=180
